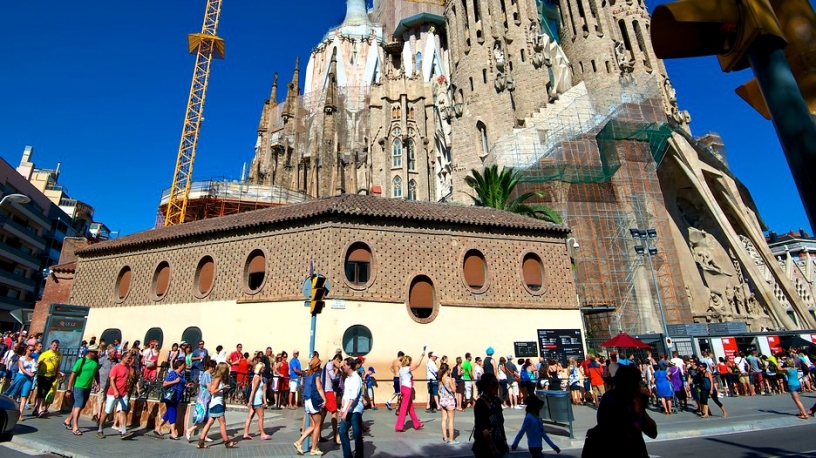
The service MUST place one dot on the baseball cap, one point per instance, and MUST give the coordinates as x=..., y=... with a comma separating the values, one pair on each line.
x=371, y=369
x=509, y=357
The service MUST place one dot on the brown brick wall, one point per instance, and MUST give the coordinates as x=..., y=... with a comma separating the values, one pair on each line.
x=57, y=291
x=400, y=252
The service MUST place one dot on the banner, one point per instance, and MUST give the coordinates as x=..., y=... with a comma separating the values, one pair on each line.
x=730, y=347
x=773, y=342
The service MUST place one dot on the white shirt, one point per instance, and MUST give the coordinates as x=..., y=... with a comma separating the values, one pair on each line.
x=220, y=357
x=477, y=372
x=353, y=391
x=430, y=370
x=405, y=376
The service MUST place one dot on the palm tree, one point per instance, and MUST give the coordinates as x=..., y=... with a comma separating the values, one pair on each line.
x=495, y=188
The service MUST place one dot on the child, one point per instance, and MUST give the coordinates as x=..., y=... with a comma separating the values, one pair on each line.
x=370, y=382
x=534, y=428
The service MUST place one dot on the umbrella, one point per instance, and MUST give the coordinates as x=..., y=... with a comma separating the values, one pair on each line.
x=624, y=340
x=795, y=341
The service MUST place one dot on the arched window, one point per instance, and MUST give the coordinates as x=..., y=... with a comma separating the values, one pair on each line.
x=255, y=271
x=111, y=335
x=357, y=340
x=123, y=281
x=474, y=269
x=358, y=263
x=192, y=336
x=483, y=135
x=422, y=299
x=412, y=190
x=533, y=272
x=161, y=280
x=411, y=155
x=204, y=276
x=154, y=334
x=397, y=156
x=419, y=62
x=397, y=186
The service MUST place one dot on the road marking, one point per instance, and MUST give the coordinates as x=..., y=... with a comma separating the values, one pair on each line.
x=21, y=448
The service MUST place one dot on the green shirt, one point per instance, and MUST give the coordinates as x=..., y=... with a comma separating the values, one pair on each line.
x=467, y=369
x=85, y=372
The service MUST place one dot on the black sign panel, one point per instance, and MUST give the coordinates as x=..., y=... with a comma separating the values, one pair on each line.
x=525, y=349
x=561, y=344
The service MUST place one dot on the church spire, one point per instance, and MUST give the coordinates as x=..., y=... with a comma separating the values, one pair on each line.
x=292, y=94
x=273, y=98
x=356, y=13
x=331, y=104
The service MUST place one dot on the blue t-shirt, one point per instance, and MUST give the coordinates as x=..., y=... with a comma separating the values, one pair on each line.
x=198, y=365
x=624, y=362
x=294, y=363
x=369, y=379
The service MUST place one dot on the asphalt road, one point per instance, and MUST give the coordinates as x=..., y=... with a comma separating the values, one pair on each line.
x=10, y=450
x=790, y=442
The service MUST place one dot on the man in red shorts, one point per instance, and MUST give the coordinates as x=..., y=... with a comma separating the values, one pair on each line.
x=330, y=377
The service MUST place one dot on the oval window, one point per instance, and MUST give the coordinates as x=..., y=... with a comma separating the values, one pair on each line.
x=161, y=279
x=205, y=276
x=111, y=336
x=422, y=299
x=255, y=270
x=154, y=334
x=475, y=269
x=358, y=264
x=123, y=283
x=533, y=272
x=192, y=336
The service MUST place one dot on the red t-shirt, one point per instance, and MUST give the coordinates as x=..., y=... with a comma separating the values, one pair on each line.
x=723, y=368
x=235, y=357
x=119, y=376
x=284, y=370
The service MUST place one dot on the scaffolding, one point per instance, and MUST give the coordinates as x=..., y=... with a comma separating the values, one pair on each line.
x=595, y=155
x=220, y=197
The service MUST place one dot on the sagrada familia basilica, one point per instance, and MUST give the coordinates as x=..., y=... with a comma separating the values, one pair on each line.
x=404, y=98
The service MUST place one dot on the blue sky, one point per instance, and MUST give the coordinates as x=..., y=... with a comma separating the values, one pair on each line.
x=102, y=87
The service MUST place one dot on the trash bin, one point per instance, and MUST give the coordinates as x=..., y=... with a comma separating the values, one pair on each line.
x=557, y=407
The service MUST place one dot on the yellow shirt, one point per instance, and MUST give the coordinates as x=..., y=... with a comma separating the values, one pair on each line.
x=48, y=363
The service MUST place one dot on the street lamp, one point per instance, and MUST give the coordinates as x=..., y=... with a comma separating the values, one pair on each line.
x=19, y=198
x=646, y=237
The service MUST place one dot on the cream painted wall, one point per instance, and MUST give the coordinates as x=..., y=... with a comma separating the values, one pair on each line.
x=285, y=326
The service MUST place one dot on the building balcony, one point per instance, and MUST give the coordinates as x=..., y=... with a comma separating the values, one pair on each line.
x=9, y=304
x=17, y=282
x=34, y=216
x=17, y=256
x=17, y=230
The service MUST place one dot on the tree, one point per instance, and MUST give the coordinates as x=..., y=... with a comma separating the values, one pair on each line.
x=495, y=188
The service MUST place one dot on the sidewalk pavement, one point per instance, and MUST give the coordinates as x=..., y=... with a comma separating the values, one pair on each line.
x=48, y=435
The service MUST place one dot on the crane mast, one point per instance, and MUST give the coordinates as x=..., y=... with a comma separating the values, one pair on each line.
x=206, y=46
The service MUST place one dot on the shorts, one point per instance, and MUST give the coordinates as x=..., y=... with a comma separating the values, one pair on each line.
x=468, y=389
x=743, y=379
x=103, y=389
x=44, y=385
x=575, y=388
x=758, y=377
x=599, y=389
x=293, y=386
x=331, y=401
x=216, y=411
x=544, y=383
x=81, y=396
x=513, y=388
x=396, y=385
x=121, y=403
x=257, y=406
x=307, y=405
x=433, y=388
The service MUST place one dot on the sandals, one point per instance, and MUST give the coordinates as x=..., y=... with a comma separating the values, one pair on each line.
x=316, y=452
x=298, y=447
x=67, y=426
x=247, y=438
x=76, y=432
x=202, y=444
x=803, y=417
x=266, y=438
x=230, y=444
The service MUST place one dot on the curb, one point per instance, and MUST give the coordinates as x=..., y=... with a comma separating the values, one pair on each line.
x=45, y=448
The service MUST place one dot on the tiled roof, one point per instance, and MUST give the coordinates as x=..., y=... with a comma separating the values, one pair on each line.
x=66, y=267
x=351, y=205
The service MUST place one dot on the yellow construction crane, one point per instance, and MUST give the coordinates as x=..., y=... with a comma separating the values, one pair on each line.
x=205, y=45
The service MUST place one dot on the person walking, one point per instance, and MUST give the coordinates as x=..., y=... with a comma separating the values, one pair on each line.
x=533, y=426
x=489, y=439
x=406, y=378
x=352, y=410
x=314, y=398
x=710, y=389
x=255, y=402
x=201, y=407
x=84, y=375
x=217, y=408
x=24, y=379
x=794, y=387
x=173, y=385
x=48, y=364
x=118, y=397
x=447, y=404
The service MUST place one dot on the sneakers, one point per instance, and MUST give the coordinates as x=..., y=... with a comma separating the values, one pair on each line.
x=453, y=442
x=388, y=405
x=100, y=435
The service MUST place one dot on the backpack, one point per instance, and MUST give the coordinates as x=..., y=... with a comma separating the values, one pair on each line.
x=772, y=367
x=525, y=376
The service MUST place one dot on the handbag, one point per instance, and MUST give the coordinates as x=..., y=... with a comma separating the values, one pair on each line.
x=168, y=394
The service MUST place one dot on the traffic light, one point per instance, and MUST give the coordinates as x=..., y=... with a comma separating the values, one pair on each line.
x=318, y=293
x=725, y=28
x=798, y=22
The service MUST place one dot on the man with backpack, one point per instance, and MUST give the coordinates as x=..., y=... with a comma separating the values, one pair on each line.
x=84, y=375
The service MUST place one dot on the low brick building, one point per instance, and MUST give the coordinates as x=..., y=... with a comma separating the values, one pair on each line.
x=402, y=275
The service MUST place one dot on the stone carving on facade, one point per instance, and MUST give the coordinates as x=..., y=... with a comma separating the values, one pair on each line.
x=501, y=82
x=498, y=55
x=625, y=64
x=672, y=109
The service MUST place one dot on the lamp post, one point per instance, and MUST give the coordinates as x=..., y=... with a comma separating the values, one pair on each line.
x=646, y=248
x=19, y=198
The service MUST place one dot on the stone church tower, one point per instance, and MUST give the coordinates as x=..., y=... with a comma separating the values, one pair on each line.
x=402, y=100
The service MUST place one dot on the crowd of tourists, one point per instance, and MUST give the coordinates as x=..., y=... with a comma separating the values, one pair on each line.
x=335, y=393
